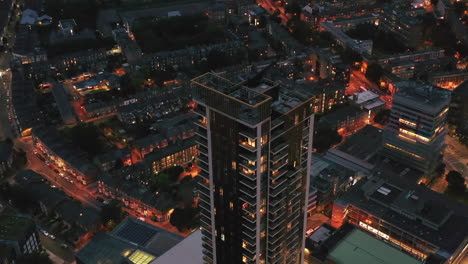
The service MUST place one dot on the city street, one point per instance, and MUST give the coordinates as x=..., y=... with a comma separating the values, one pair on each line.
x=270, y=8
x=37, y=165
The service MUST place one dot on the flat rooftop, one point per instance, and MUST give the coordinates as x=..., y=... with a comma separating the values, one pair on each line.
x=413, y=208
x=423, y=97
x=239, y=93
x=360, y=247
x=364, y=144
x=188, y=250
x=14, y=227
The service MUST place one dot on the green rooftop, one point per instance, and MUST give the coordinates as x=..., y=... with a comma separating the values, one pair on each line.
x=359, y=247
x=14, y=227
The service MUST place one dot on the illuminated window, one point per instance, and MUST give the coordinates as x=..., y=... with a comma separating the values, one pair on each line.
x=231, y=205
x=245, y=259
x=404, y=151
x=141, y=257
x=406, y=122
x=234, y=165
x=244, y=244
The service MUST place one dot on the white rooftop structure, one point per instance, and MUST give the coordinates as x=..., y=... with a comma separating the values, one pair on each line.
x=320, y=235
x=307, y=9
x=188, y=251
x=173, y=13
x=363, y=97
x=374, y=104
x=29, y=17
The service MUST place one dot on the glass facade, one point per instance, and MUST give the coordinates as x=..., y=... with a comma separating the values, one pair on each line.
x=254, y=164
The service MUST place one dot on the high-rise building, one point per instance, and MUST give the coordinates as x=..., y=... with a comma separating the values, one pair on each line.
x=255, y=157
x=415, y=133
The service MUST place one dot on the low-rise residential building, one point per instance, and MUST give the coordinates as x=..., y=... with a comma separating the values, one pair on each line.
x=345, y=119
x=407, y=26
x=19, y=233
x=98, y=109
x=363, y=47
x=26, y=48
x=67, y=27
x=91, y=58
x=109, y=160
x=35, y=184
x=24, y=102
x=137, y=197
x=129, y=46
x=79, y=219
x=281, y=35
x=101, y=81
x=62, y=154
x=189, y=56
x=329, y=180
x=325, y=65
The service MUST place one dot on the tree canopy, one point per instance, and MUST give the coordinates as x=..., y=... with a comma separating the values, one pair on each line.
x=325, y=137
x=185, y=218
x=456, y=183
x=382, y=116
x=374, y=72
x=112, y=213
x=87, y=137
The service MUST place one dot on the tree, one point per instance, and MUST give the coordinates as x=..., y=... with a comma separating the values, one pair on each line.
x=440, y=170
x=185, y=218
x=174, y=172
x=112, y=213
x=363, y=31
x=350, y=56
x=217, y=59
x=87, y=137
x=382, y=117
x=325, y=137
x=275, y=16
x=36, y=258
x=293, y=8
x=456, y=183
x=300, y=30
x=161, y=181
x=19, y=197
x=374, y=72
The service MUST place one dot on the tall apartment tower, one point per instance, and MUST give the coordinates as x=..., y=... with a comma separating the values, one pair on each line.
x=255, y=157
x=415, y=133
